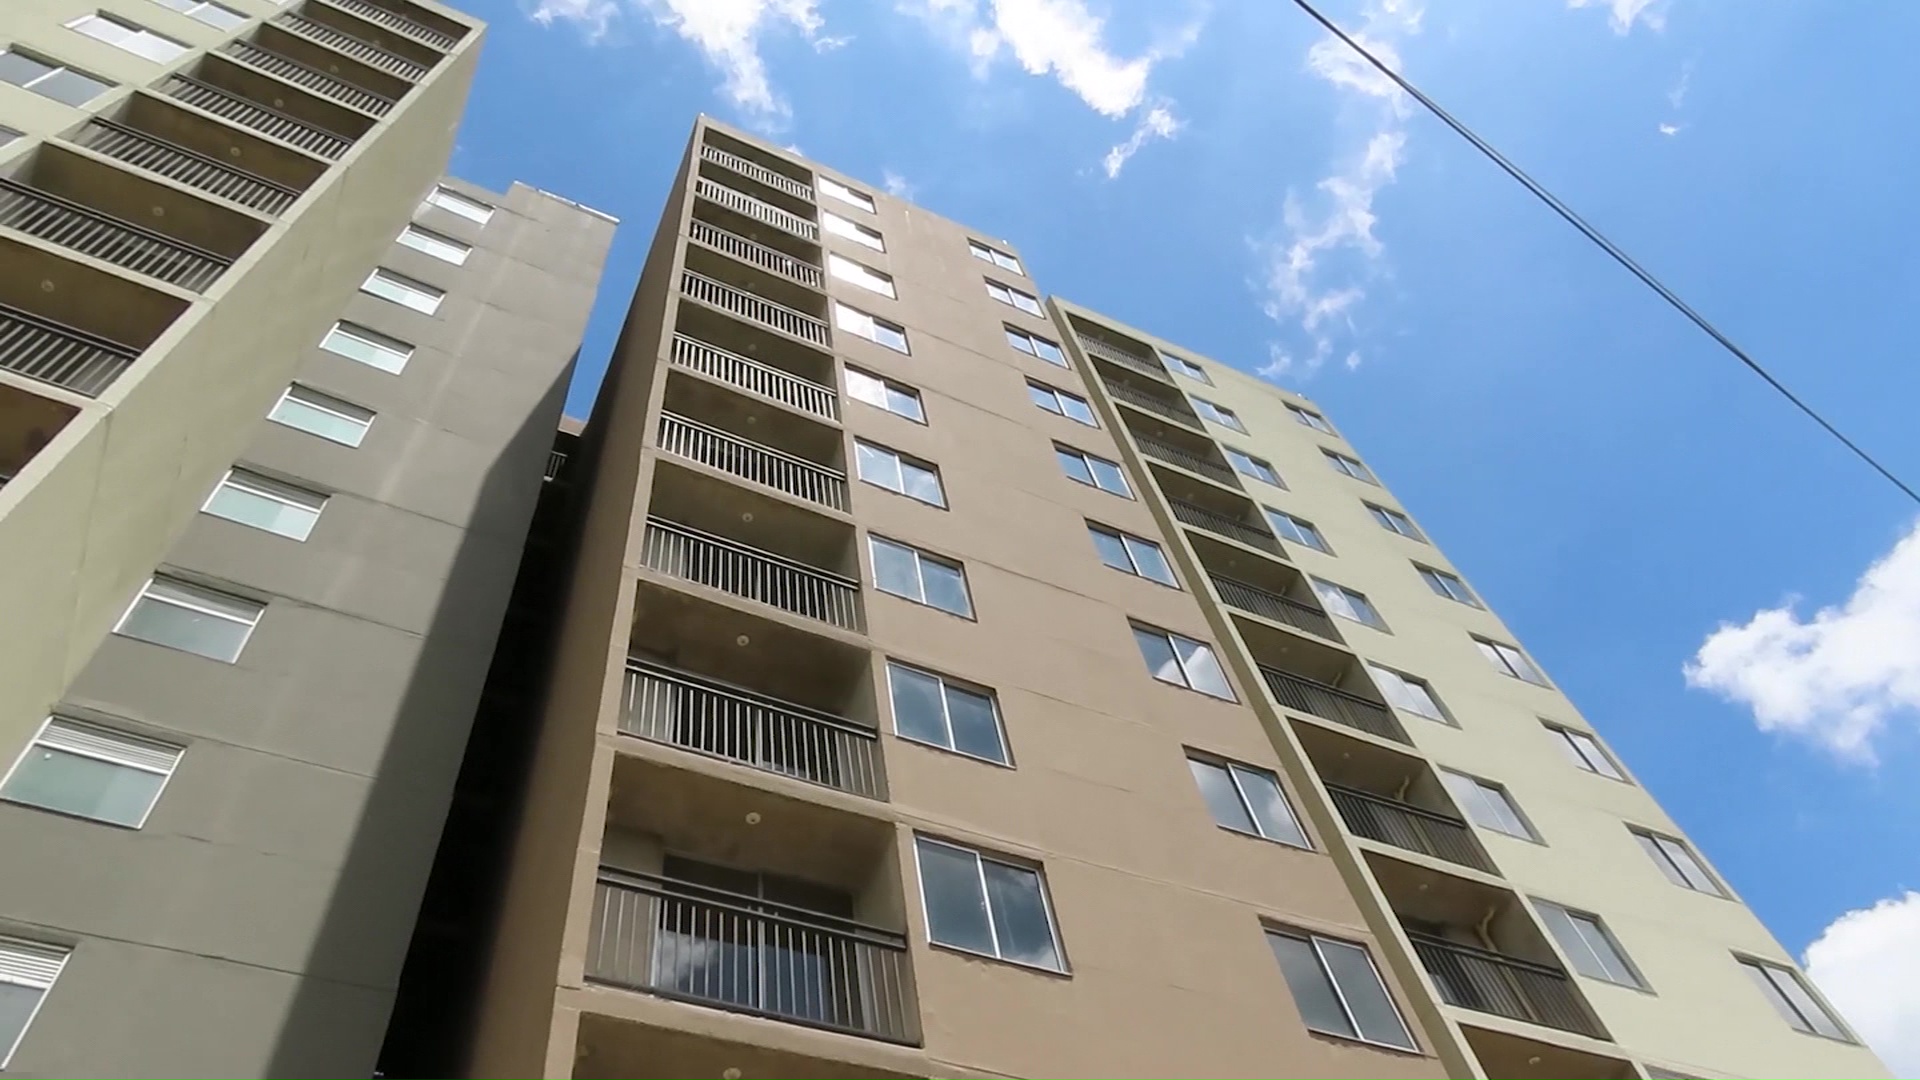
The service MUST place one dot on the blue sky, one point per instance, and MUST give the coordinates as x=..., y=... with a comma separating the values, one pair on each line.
x=1629, y=499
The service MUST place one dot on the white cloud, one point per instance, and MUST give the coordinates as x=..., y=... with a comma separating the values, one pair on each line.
x=1677, y=96
x=1624, y=14
x=592, y=16
x=896, y=185
x=1867, y=962
x=1836, y=678
x=1669, y=129
x=1157, y=123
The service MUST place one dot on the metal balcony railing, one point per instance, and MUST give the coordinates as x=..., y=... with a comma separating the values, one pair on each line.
x=758, y=209
x=1221, y=525
x=393, y=20
x=745, y=305
x=312, y=78
x=1114, y=354
x=342, y=42
x=745, y=954
x=772, y=260
x=1409, y=827
x=1490, y=982
x=269, y=122
x=189, y=167
x=745, y=571
x=1154, y=404
x=107, y=238
x=1271, y=605
x=556, y=464
x=775, y=736
x=747, y=374
x=1186, y=459
x=753, y=170
x=748, y=460
x=61, y=355
x=1332, y=703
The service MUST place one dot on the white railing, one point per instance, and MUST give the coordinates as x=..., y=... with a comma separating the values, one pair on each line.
x=756, y=377
x=342, y=42
x=749, y=460
x=769, y=259
x=745, y=571
x=753, y=308
x=55, y=353
x=189, y=167
x=753, y=170
x=393, y=20
x=758, y=209
x=108, y=238
x=268, y=122
x=312, y=78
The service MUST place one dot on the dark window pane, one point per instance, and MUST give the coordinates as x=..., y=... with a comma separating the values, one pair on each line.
x=956, y=908
x=976, y=730
x=1020, y=915
x=1113, y=551
x=1109, y=477
x=1223, y=802
x=1150, y=560
x=1158, y=653
x=1269, y=806
x=894, y=570
x=946, y=587
x=916, y=706
x=1360, y=984
x=1075, y=466
x=1312, y=992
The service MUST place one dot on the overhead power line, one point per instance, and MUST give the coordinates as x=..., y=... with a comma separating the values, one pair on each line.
x=1633, y=267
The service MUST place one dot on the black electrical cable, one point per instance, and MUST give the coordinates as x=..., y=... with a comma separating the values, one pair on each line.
x=1606, y=245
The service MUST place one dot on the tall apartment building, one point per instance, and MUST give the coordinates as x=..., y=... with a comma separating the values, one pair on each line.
x=950, y=683
x=275, y=403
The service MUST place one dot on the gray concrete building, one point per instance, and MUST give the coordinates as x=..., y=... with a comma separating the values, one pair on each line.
x=276, y=402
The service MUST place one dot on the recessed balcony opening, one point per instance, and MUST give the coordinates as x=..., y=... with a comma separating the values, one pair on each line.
x=766, y=176
x=753, y=441
x=719, y=187
x=1390, y=797
x=730, y=896
x=384, y=85
x=377, y=26
x=611, y=1049
x=1155, y=397
x=339, y=41
x=714, y=215
x=719, y=330
x=1265, y=587
x=66, y=323
x=1481, y=948
x=769, y=275
x=305, y=106
x=430, y=26
x=1505, y=1055
x=1205, y=506
x=755, y=421
x=1116, y=349
x=28, y=422
x=1308, y=677
x=191, y=149
x=1182, y=449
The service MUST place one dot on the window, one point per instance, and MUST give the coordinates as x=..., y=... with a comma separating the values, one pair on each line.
x=1131, y=554
x=1219, y=414
x=1310, y=418
x=1488, y=804
x=317, y=414
x=1409, y=693
x=998, y=258
x=404, y=291
x=252, y=499
x=91, y=772
x=444, y=248
x=1248, y=465
x=1509, y=661
x=1447, y=585
x=1587, y=943
x=983, y=905
x=1061, y=403
x=1183, y=366
x=1095, y=471
x=882, y=393
x=914, y=575
x=853, y=231
x=1014, y=297
x=931, y=709
x=1343, y=464
x=1338, y=990
x=1394, y=521
x=1676, y=860
x=207, y=12
x=370, y=347
x=1036, y=346
x=878, y=331
x=48, y=79
x=1348, y=604
x=864, y=276
x=1584, y=751
x=1298, y=530
x=27, y=971
x=190, y=618
x=898, y=473
x=455, y=203
x=834, y=189
x=1248, y=800
x=1783, y=990
x=129, y=37
x=1182, y=661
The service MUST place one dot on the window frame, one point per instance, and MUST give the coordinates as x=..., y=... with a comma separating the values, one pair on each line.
x=1565, y=737
x=1297, y=525
x=1087, y=460
x=1092, y=420
x=1404, y=679
x=1496, y=652
x=1656, y=844
x=453, y=202
x=1313, y=942
x=54, y=68
x=1385, y=516
x=1347, y=597
x=187, y=604
x=1186, y=368
x=1013, y=298
x=1488, y=791
x=1005, y=761
x=1271, y=478
x=192, y=8
x=134, y=31
x=373, y=339
x=1767, y=972
x=852, y=319
x=1310, y=418
x=50, y=956
x=261, y=486
x=889, y=387
x=325, y=406
x=900, y=460
x=411, y=235
x=990, y=254
x=75, y=749
x=834, y=189
x=1127, y=541
x=1171, y=639
x=1575, y=917
x=1443, y=582
x=1015, y=334
x=920, y=558
x=1213, y=412
x=1233, y=769
x=404, y=284
x=981, y=858
x=862, y=276
x=856, y=233
x=1350, y=467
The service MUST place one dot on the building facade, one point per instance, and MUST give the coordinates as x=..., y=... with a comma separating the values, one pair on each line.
x=275, y=404
x=950, y=682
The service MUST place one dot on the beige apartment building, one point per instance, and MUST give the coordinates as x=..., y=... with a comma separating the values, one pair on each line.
x=949, y=682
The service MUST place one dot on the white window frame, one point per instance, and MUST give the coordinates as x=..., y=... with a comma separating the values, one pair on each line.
x=455, y=203
x=1447, y=585
x=848, y=229
x=195, y=9
x=1314, y=942
x=1409, y=693
x=1057, y=394
x=266, y=487
x=1350, y=467
x=1338, y=599
x=1014, y=298
x=1015, y=337
x=1270, y=477
x=887, y=387
x=861, y=275
x=1233, y=769
x=438, y=245
x=1310, y=418
x=863, y=325
x=185, y=601
x=429, y=297
x=1187, y=368
x=986, y=898
x=1088, y=460
x=326, y=403
x=1767, y=975
x=1186, y=682
x=900, y=460
x=1590, y=757
x=1511, y=661
x=375, y=341
x=1587, y=928
x=54, y=68
x=1484, y=802
x=1215, y=413
x=1128, y=542
x=1678, y=862
x=1298, y=530
x=1005, y=760
x=834, y=189
x=988, y=253
x=920, y=561
x=131, y=34
x=36, y=965
x=82, y=739
x=1391, y=520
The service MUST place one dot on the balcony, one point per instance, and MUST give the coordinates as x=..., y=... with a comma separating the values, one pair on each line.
x=760, y=210
x=68, y=324
x=290, y=57
x=766, y=274
x=772, y=260
x=1486, y=981
x=1271, y=589
x=270, y=175
x=766, y=380
x=1391, y=797
x=758, y=443
x=1404, y=825
x=239, y=108
x=1166, y=405
x=28, y=422
x=739, y=898
x=1504, y=1054
x=1329, y=702
x=1131, y=357
x=1229, y=515
x=754, y=309
x=415, y=24
x=1307, y=676
x=184, y=166
x=346, y=44
x=83, y=204
x=1298, y=614
x=1172, y=446
x=741, y=164
x=611, y=1048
